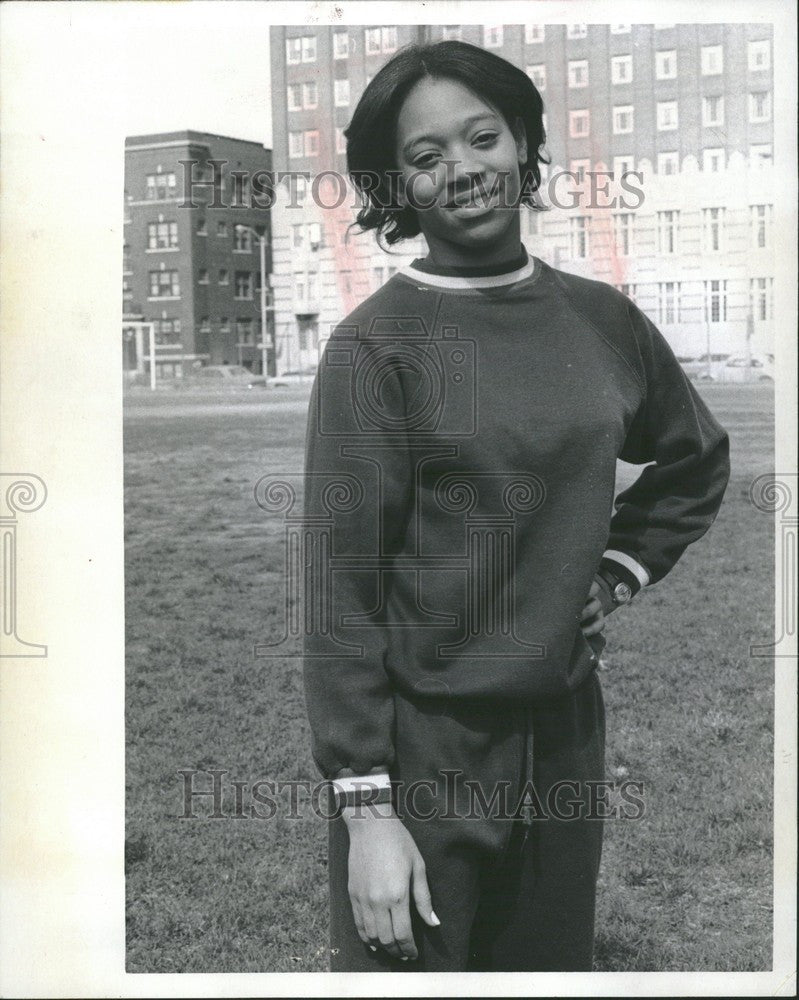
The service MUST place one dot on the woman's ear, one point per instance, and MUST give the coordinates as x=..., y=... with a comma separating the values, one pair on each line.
x=520, y=135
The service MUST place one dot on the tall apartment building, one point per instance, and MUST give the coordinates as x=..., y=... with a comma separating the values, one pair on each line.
x=192, y=247
x=686, y=106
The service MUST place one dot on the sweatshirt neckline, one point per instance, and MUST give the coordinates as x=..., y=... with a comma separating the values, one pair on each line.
x=464, y=282
x=472, y=271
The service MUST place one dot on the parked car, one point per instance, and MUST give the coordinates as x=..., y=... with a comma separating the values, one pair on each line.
x=760, y=368
x=224, y=377
x=699, y=369
x=295, y=376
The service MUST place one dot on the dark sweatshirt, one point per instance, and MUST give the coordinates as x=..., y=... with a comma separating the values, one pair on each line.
x=461, y=456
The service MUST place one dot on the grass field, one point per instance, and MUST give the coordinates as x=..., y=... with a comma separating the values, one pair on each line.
x=689, y=712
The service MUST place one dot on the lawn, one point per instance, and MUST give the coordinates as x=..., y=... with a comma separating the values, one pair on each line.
x=689, y=712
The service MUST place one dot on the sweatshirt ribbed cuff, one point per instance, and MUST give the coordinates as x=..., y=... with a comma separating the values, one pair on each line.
x=626, y=568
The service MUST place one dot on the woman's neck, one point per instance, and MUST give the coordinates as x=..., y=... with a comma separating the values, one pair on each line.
x=445, y=254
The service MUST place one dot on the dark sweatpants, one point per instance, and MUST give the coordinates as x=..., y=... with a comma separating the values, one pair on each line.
x=511, y=895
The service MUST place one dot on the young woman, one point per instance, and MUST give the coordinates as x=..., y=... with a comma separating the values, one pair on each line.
x=461, y=456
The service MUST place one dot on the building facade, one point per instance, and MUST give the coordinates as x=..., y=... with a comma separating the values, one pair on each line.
x=192, y=256
x=685, y=109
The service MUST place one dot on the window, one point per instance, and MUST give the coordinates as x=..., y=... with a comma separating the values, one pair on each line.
x=167, y=331
x=243, y=285
x=311, y=143
x=242, y=239
x=533, y=33
x=538, y=74
x=295, y=145
x=628, y=290
x=294, y=97
x=293, y=50
x=578, y=73
x=712, y=229
x=299, y=286
x=578, y=168
x=202, y=276
x=713, y=160
x=668, y=302
x=492, y=36
x=621, y=69
x=221, y=229
x=666, y=116
x=452, y=33
x=716, y=301
x=298, y=234
x=224, y=324
x=759, y=54
x=761, y=299
x=666, y=65
x=310, y=95
x=622, y=165
x=127, y=292
x=224, y=277
x=160, y=187
x=380, y=40
x=668, y=163
x=308, y=48
x=578, y=226
x=579, y=123
x=164, y=285
x=201, y=227
x=712, y=110
x=623, y=233
x=761, y=226
x=341, y=93
x=622, y=119
x=668, y=231
x=126, y=259
x=711, y=59
x=307, y=328
x=760, y=106
x=341, y=140
x=245, y=333
x=760, y=156
x=162, y=235
x=341, y=45
x=620, y=29
x=576, y=30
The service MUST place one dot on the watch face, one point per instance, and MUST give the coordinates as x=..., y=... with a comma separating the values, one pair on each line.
x=622, y=593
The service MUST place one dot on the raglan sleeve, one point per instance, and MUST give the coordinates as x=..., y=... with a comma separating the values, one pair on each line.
x=686, y=451
x=357, y=494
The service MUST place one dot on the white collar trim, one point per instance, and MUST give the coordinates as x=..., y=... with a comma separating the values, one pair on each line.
x=492, y=281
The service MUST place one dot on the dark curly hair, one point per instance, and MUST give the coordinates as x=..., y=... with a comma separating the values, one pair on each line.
x=372, y=131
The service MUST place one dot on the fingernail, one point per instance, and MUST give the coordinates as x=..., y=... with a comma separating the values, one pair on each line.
x=435, y=919
x=404, y=958
x=372, y=947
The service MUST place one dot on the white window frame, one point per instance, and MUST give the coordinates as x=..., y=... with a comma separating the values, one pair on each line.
x=341, y=92
x=669, y=295
x=294, y=97
x=756, y=49
x=492, y=36
x=310, y=142
x=711, y=60
x=341, y=141
x=761, y=293
x=666, y=64
x=578, y=73
x=576, y=231
x=579, y=115
x=765, y=114
x=672, y=159
x=308, y=48
x=713, y=231
x=576, y=30
x=296, y=145
x=721, y=293
x=668, y=223
x=667, y=116
x=616, y=62
x=538, y=74
x=452, y=33
x=388, y=38
x=623, y=109
x=708, y=119
x=713, y=159
x=761, y=220
x=293, y=48
x=341, y=51
x=534, y=33
x=371, y=41
x=310, y=94
x=624, y=232
x=623, y=165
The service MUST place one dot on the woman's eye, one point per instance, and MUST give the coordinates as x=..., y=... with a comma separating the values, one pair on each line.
x=486, y=138
x=423, y=162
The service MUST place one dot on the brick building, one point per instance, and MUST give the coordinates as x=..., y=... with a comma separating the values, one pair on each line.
x=689, y=106
x=191, y=247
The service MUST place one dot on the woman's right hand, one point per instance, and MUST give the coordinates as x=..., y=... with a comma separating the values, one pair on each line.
x=385, y=870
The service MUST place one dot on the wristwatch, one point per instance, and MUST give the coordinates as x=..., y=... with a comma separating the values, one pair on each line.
x=620, y=591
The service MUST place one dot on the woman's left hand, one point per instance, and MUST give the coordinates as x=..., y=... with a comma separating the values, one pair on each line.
x=597, y=607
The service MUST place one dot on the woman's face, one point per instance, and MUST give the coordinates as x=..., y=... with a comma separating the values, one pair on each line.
x=450, y=147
